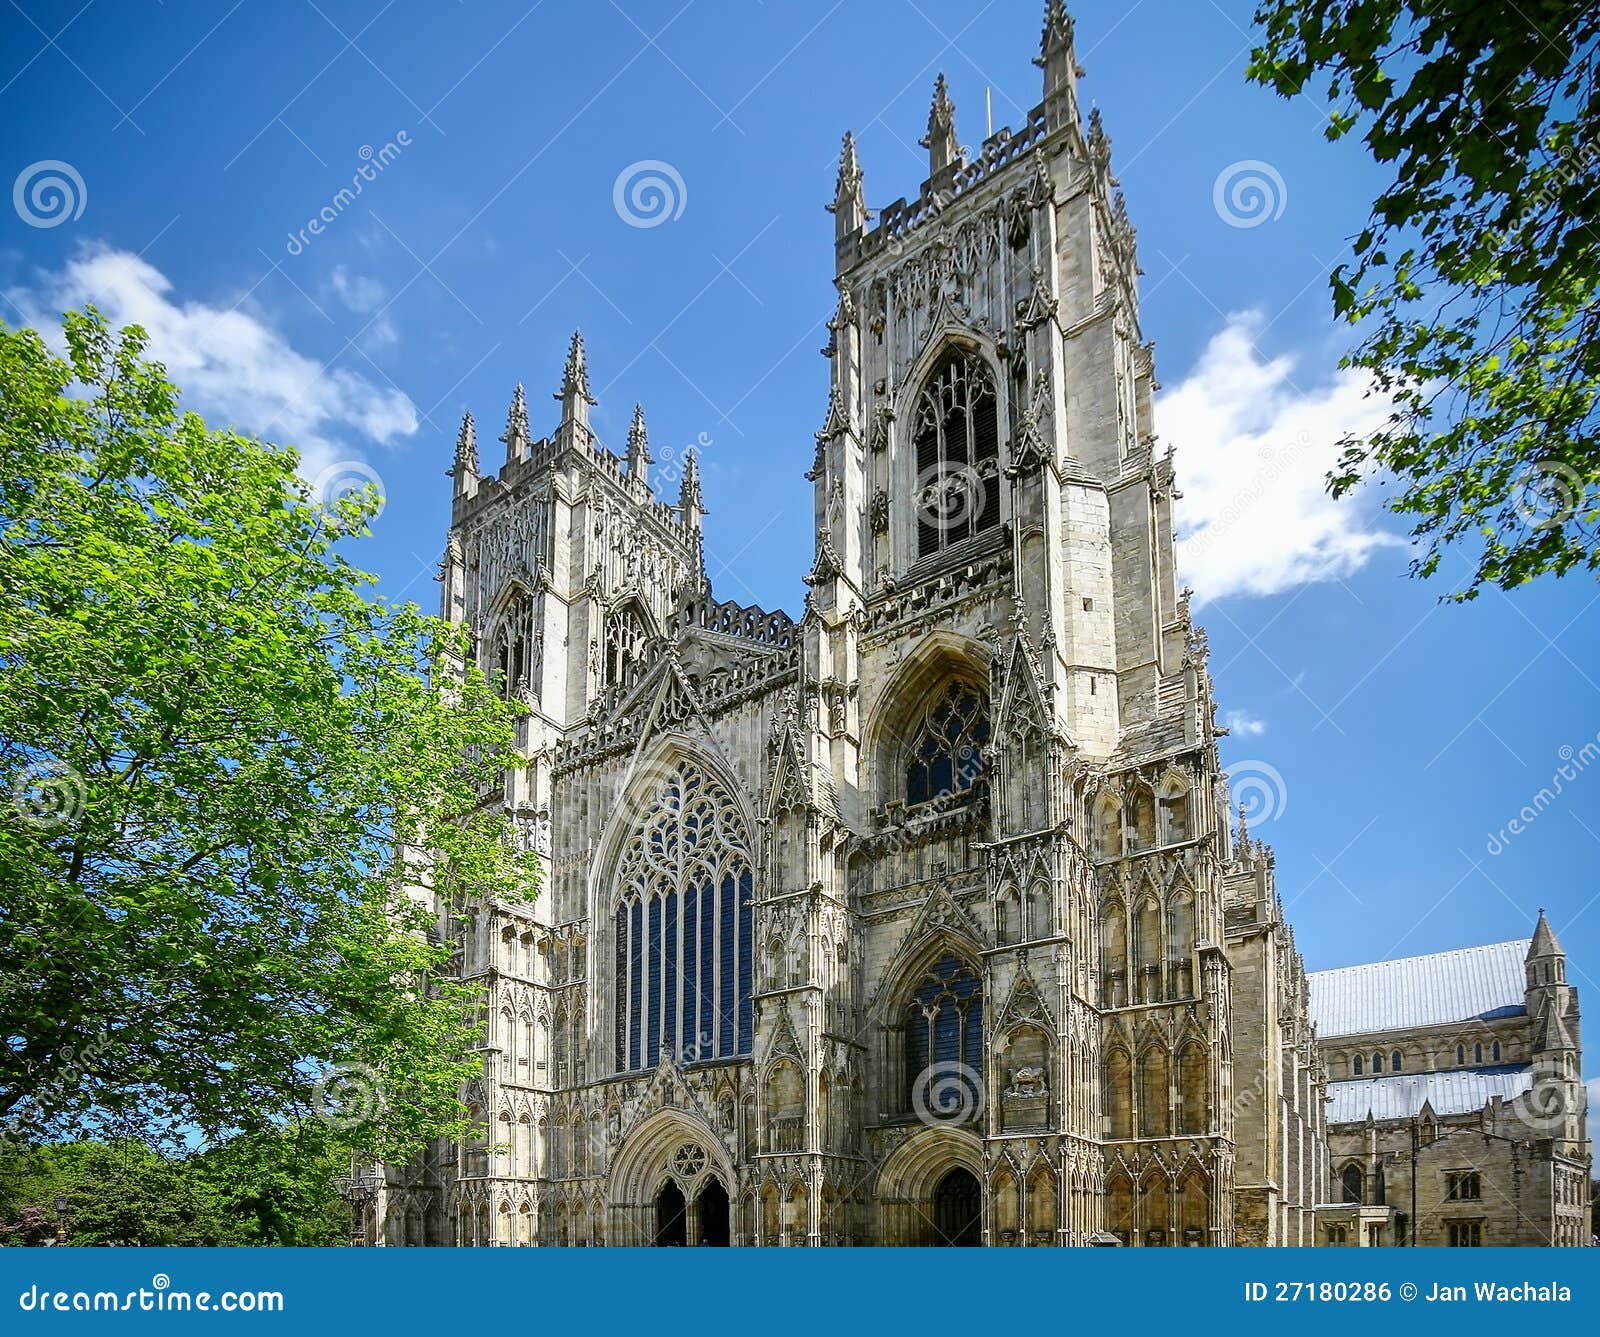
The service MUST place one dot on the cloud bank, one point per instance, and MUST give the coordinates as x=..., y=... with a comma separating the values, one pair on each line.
x=231, y=365
x=1253, y=448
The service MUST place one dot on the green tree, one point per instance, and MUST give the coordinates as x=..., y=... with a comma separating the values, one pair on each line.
x=277, y=1187
x=212, y=741
x=1474, y=283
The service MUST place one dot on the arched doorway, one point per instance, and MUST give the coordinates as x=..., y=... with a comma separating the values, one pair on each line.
x=712, y=1209
x=672, y=1217
x=958, y=1210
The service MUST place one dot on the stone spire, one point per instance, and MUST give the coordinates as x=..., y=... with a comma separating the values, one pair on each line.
x=574, y=396
x=1060, y=65
x=465, y=471
x=518, y=439
x=944, y=152
x=1242, y=842
x=849, y=208
x=1544, y=941
x=639, y=457
x=690, y=500
x=692, y=506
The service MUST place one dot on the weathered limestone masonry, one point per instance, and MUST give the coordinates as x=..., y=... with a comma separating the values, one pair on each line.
x=1457, y=1106
x=918, y=919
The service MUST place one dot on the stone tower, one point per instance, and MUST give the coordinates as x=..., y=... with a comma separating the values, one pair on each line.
x=903, y=922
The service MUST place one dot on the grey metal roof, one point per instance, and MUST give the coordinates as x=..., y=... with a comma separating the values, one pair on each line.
x=1468, y=984
x=1399, y=1096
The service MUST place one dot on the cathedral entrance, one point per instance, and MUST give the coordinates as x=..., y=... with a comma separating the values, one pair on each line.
x=958, y=1210
x=713, y=1213
x=672, y=1218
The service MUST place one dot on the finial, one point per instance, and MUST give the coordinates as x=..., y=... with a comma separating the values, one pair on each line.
x=1060, y=66
x=1099, y=141
x=576, y=375
x=1058, y=30
x=943, y=150
x=575, y=397
x=1244, y=831
x=466, y=448
x=849, y=208
x=518, y=439
x=690, y=500
x=639, y=457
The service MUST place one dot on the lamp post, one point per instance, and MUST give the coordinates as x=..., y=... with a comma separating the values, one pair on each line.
x=359, y=1190
x=61, y=1218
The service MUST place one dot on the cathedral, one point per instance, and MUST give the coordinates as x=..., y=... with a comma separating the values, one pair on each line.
x=918, y=918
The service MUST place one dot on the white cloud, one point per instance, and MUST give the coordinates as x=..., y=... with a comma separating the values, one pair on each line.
x=231, y=365
x=1242, y=723
x=1253, y=450
x=361, y=294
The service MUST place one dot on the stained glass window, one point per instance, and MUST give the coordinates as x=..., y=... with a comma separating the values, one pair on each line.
x=943, y=1023
x=683, y=925
x=945, y=760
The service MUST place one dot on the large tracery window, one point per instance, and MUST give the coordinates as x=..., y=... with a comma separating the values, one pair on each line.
x=945, y=759
x=626, y=634
x=956, y=438
x=943, y=1028
x=683, y=928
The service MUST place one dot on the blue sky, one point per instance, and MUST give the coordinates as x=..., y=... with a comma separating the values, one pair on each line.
x=1400, y=734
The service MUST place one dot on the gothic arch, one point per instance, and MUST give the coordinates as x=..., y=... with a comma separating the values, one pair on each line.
x=905, y=1184
x=939, y=657
x=652, y=768
x=649, y=1158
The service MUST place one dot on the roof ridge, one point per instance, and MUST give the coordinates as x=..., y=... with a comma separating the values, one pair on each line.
x=1520, y=943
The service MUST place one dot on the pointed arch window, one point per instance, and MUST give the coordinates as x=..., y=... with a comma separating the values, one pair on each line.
x=945, y=759
x=956, y=440
x=625, y=637
x=683, y=926
x=943, y=1030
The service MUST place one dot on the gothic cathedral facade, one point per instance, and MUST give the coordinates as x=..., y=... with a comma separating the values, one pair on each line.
x=917, y=919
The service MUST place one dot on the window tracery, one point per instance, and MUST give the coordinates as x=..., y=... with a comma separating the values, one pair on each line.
x=943, y=1027
x=945, y=759
x=956, y=439
x=625, y=637
x=683, y=927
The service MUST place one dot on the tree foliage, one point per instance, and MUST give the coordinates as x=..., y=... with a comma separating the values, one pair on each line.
x=1474, y=283
x=212, y=741
x=271, y=1188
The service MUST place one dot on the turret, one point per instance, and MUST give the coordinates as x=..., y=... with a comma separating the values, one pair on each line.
x=1060, y=65
x=639, y=458
x=692, y=507
x=575, y=397
x=944, y=151
x=1546, y=962
x=465, y=469
x=849, y=207
x=518, y=439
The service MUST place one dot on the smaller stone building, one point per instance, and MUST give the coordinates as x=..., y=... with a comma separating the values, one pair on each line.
x=1456, y=1105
